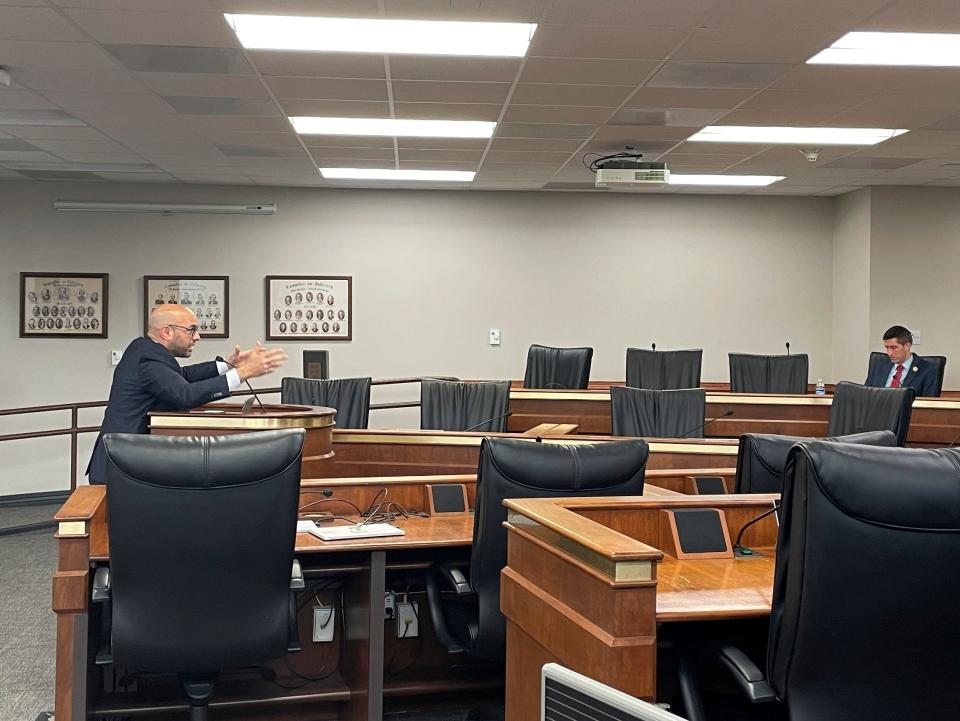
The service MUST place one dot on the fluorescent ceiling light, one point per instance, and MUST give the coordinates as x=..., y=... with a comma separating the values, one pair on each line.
x=354, y=35
x=164, y=208
x=444, y=176
x=730, y=180
x=793, y=136
x=918, y=49
x=393, y=128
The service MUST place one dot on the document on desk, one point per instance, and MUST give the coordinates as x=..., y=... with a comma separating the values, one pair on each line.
x=367, y=530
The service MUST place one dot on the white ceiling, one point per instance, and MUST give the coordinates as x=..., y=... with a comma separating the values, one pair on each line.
x=161, y=91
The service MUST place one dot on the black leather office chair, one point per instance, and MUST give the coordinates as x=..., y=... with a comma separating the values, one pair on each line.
x=857, y=408
x=511, y=468
x=549, y=367
x=201, y=537
x=657, y=414
x=762, y=457
x=349, y=396
x=664, y=370
x=457, y=406
x=880, y=359
x=768, y=373
x=863, y=623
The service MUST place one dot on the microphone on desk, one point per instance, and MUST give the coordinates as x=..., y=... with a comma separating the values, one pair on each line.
x=489, y=420
x=247, y=406
x=653, y=346
x=740, y=550
x=728, y=412
x=788, y=347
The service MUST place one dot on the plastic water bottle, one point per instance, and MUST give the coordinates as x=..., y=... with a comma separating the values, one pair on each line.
x=821, y=389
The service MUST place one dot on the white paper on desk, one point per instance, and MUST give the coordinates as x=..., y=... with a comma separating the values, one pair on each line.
x=306, y=526
x=345, y=533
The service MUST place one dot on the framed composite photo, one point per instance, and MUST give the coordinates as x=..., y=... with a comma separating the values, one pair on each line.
x=63, y=305
x=206, y=295
x=309, y=307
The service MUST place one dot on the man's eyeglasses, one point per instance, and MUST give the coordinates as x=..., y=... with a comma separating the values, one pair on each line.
x=191, y=329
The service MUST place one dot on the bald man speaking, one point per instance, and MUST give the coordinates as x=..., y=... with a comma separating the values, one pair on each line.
x=148, y=378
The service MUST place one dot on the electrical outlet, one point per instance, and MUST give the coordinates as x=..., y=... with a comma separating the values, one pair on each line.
x=115, y=356
x=494, y=336
x=389, y=605
x=323, y=624
x=408, y=622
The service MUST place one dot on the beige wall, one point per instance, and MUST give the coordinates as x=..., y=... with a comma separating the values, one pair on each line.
x=433, y=272
x=915, y=269
x=851, y=286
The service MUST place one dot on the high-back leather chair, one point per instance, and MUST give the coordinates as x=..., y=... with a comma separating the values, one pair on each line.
x=202, y=532
x=664, y=370
x=549, y=367
x=762, y=457
x=350, y=397
x=511, y=468
x=858, y=408
x=768, y=373
x=657, y=414
x=865, y=577
x=458, y=406
x=880, y=359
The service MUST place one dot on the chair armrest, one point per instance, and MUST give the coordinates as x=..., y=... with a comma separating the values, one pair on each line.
x=296, y=577
x=101, y=585
x=454, y=578
x=745, y=672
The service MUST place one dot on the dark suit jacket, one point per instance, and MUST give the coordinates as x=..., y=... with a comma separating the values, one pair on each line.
x=148, y=378
x=923, y=380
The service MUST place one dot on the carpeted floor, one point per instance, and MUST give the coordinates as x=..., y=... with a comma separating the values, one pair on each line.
x=27, y=563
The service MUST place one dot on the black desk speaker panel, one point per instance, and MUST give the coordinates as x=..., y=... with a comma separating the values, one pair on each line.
x=695, y=533
x=446, y=498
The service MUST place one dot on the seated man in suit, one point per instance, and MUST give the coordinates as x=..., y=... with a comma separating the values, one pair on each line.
x=149, y=378
x=906, y=368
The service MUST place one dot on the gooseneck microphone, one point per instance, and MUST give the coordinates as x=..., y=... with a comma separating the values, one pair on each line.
x=788, y=347
x=728, y=412
x=247, y=406
x=653, y=346
x=737, y=548
x=489, y=420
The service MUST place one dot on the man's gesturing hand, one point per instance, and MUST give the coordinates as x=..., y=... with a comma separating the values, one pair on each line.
x=258, y=361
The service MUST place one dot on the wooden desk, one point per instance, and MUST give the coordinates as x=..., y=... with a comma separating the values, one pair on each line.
x=403, y=453
x=935, y=421
x=552, y=429
x=586, y=586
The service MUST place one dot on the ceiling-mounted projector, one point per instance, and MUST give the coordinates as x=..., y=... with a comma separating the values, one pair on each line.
x=625, y=172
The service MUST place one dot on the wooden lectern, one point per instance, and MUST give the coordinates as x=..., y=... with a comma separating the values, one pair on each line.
x=226, y=418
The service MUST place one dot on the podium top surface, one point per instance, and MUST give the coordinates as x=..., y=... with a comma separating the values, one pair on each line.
x=229, y=415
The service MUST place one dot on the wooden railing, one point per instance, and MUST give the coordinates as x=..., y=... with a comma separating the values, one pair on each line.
x=75, y=429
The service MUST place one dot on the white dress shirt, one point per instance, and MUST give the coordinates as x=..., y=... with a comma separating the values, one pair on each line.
x=907, y=365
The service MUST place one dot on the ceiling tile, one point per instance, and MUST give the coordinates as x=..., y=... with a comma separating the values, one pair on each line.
x=144, y=5
x=107, y=157
x=421, y=67
x=411, y=91
x=35, y=54
x=138, y=177
x=747, y=45
x=229, y=86
x=556, y=114
x=682, y=117
x=810, y=116
x=335, y=108
x=543, y=130
x=466, y=156
x=590, y=95
x=23, y=100
x=193, y=105
x=327, y=89
x=586, y=71
x=331, y=8
x=318, y=65
x=643, y=13
x=647, y=97
x=443, y=143
x=79, y=146
x=554, y=144
x=8, y=143
x=156, y=28
x=787, y=15
x=33, y=23
x=259, y=151
x=380, y=154
x=79, y=81
x=875, y=163
x=823, y=99
x=27, y=155
x=214, y=179
x=346, y=141
x=491, y=10
x=717, y=75
x=53, y=132
x=530, y=156
x=37, y=117
x=593, y=41
x=175, y=59
x=447, y=111
x=917, y=16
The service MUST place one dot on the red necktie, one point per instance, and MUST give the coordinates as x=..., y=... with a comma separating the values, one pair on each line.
x=895, y=382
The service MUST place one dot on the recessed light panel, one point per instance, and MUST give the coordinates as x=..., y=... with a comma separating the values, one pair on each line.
x=904, y=49
x=754, y=181
x=430, y=176
x=793, y=136
x=402, y=37
x=390, y=127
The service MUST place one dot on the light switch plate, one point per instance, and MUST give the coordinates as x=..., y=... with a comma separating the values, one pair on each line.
x=916, y=336
x=494, y=336
x=115, y=356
